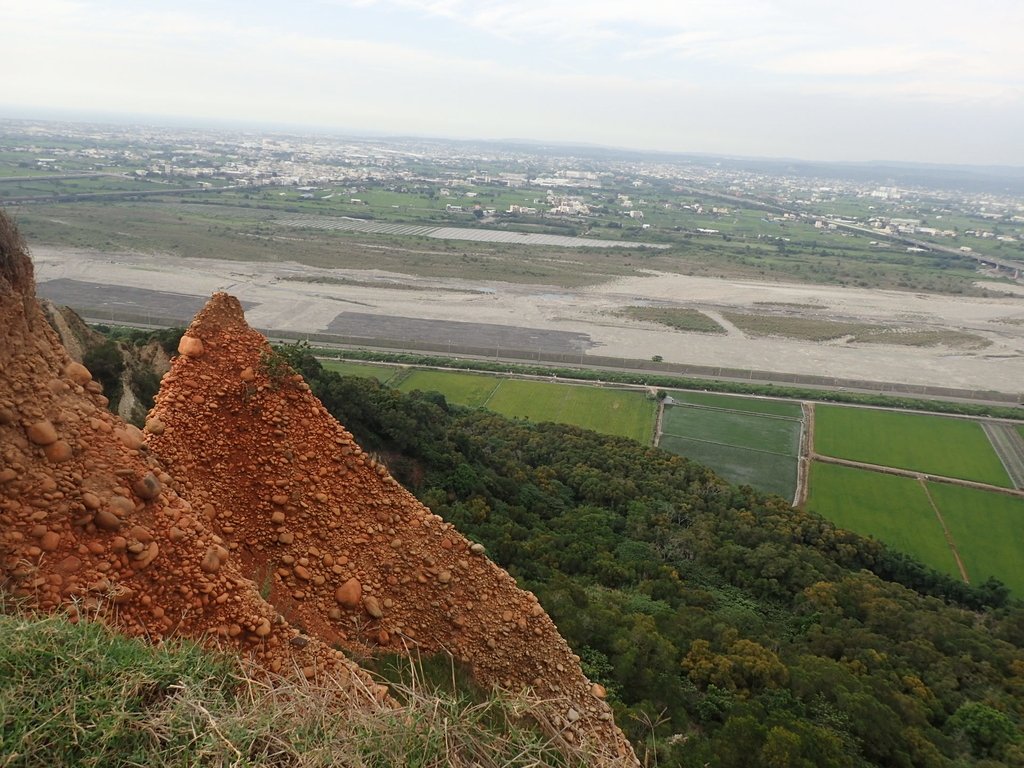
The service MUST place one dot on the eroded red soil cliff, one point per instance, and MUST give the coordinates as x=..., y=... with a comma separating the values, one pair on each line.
x=246, y=488
x=90, y=519
x=346, y=551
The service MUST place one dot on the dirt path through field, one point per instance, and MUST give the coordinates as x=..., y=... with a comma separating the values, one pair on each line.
x=911, y=473
x=729, y=327
x=945, y=530
x=1009, y=446
x=803, y=464
x=658, y=422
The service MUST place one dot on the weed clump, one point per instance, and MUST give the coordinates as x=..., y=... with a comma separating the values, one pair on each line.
x=79, y=694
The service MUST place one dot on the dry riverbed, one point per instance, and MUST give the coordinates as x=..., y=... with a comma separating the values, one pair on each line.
x=290, y=296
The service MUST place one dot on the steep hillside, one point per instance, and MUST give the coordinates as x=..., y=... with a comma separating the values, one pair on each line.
x=90, y=520
x=341, y=548
x=74, y=333
x=94, y=522
x=127, y=363
x=733, y=629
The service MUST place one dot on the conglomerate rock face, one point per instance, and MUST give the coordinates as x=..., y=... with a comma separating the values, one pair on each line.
x=343, y=550
x=244, y=475
x=90, y=520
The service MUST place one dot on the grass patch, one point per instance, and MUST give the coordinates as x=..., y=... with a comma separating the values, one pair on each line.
x=909, y=337
x=608, y=411
x=469, y=389
x=812, y=329
x=80, y=695
x=741, y=404
x=933, y=444
x=243, y=230
x=381, y=373
x=677, y=318
x=768, y=472
x=988, y=529
x=892, y=509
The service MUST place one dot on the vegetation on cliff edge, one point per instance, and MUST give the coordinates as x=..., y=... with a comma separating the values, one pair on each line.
x=731, y=628
x=82, y=695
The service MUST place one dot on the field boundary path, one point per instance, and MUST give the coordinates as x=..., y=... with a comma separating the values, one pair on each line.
x=1009, y=447
x=759, y=414
x=493, y=391
x=911, y=473
x=659, y=420
x=804, y=454
x=733, y=445
x=945, y=529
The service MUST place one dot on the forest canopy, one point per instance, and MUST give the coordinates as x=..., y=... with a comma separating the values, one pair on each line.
x=729, y=628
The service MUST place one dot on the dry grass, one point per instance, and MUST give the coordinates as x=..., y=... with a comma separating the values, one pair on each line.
x=81, y=695
x=678, y=318
x=814, y=329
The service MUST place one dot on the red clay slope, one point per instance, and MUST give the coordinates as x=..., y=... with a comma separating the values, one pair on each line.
x=344, y=550
x=90, y=520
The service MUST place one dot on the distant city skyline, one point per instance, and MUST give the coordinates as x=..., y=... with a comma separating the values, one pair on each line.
x=905, y=80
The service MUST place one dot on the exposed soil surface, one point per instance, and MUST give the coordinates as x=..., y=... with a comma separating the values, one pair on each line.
x=286, y=296
x=90, y=519
x=246, y=488
x=342, y=549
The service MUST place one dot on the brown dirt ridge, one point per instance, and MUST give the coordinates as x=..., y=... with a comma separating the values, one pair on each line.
x=344, y=550
x=90, y=520
x=242, y=487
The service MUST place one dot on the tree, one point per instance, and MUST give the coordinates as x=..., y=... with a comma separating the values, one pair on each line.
x=988, y=731
x=106, y=364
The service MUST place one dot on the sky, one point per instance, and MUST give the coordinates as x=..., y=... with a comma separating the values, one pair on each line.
x=893, y=80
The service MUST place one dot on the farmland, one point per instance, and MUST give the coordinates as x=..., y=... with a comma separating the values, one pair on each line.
x=772, y=434
x=988, y=529
x=892, y=509
x=746, y=440
x=771, y=407
x=755, y=441
x=381, y=373
x=933, y=444
x=752, y=441
x=469, y=389
x=609, y=411
x=768, y=472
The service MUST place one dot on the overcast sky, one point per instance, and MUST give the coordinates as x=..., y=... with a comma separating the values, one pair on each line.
x=919, y=80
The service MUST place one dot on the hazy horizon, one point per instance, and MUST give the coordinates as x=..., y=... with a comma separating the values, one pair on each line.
x=915, y=81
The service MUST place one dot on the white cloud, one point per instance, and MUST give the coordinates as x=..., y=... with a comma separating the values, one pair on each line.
x=681, y=75
x=948, y=45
